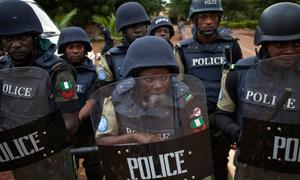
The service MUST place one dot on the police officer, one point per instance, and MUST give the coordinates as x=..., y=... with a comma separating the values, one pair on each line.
x=146, y=57
x=277, y=37
x=131, y=21
x=203, y=56
x=108, y=41
x=74, y=44
x=20, y=31
x=161, y=26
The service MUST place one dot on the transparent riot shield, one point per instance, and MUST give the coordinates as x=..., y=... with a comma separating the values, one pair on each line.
x=271, y=124
x=33, y=137
x=157, y=106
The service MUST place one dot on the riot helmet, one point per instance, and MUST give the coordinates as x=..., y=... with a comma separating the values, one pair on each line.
x=17, y=17
x=202, y=6
x=279, y=22
x=130, y=13
x=149, y=52
x=71, y=35
x=158, y=22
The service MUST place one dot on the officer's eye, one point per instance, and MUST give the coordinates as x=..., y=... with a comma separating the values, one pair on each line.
x=23, y=37
x=148, y=80
x=203, y=17
x=164, y=77
x=279, y=44
x=296, y=44
x=8, y=39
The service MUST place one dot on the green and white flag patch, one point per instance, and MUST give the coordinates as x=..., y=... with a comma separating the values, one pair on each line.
x=188, y=98
x=65, y=85
x=197, y=122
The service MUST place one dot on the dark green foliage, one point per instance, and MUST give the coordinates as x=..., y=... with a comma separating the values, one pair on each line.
x=234, y=10
x=86, y=9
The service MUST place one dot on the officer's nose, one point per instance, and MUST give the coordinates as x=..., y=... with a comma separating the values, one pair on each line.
x=157, y=86
x=16, y=44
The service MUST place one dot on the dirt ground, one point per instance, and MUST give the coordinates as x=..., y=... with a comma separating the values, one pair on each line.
x=245, y=37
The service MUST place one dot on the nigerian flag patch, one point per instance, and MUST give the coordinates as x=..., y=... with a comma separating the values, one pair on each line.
x=65, y=85
x=188, y=98
x=197, y=122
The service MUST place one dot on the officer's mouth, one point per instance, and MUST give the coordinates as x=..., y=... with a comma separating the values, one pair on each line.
x=18, y=54
x=208, y=29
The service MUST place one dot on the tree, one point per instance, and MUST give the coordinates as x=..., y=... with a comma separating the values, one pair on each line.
x=233, y=9
x=88, y=8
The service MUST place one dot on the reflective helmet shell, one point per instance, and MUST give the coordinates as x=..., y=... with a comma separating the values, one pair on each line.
x=161, y=21
x=130, y=13
x=73, y=34
x=279, y=22
x=149, y=52
x=17, y=17
x=202, y=6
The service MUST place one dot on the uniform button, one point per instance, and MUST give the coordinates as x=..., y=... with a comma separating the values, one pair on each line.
x=279, y=129
x=269, y=128
x=167, y=113
x=181, y=89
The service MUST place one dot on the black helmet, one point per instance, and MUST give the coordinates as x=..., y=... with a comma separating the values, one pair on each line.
x=279, y=22
x=199, y=6
x=73, y=34
x=130, y=13
x=17, y=17
x=149, y=52
x=158, y=22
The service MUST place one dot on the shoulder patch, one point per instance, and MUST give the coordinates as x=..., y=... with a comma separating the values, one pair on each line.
x=103, y=124
x=196, y=112
x=66, y=89
x=102, y=75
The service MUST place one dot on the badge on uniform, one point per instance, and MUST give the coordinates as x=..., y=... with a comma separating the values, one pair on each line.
x=103, y=124
x=188, y=98
x=196, y=112
x=198, y=123
x=67, y=92
x=101, y=75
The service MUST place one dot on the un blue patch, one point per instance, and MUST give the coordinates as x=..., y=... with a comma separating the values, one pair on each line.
x=103, y=124
x=101, y=75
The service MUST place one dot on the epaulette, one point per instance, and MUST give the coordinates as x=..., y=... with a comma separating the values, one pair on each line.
x=185, y=42
x=240, y=67
x=5, y=62
x=225, y=34
x=117, y=50
x=244, y=63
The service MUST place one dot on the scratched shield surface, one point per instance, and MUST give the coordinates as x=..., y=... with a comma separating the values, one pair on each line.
x=178, y=115
x=31, y=128
x=271, y=126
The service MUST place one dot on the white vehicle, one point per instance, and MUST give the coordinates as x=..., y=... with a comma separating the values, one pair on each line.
x=50, y=30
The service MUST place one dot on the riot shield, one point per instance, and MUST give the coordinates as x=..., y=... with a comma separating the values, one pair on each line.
x=33, y=137
x=177, y=114
x=271, y=127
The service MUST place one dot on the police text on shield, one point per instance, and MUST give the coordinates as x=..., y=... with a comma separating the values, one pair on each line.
x=145, y=168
